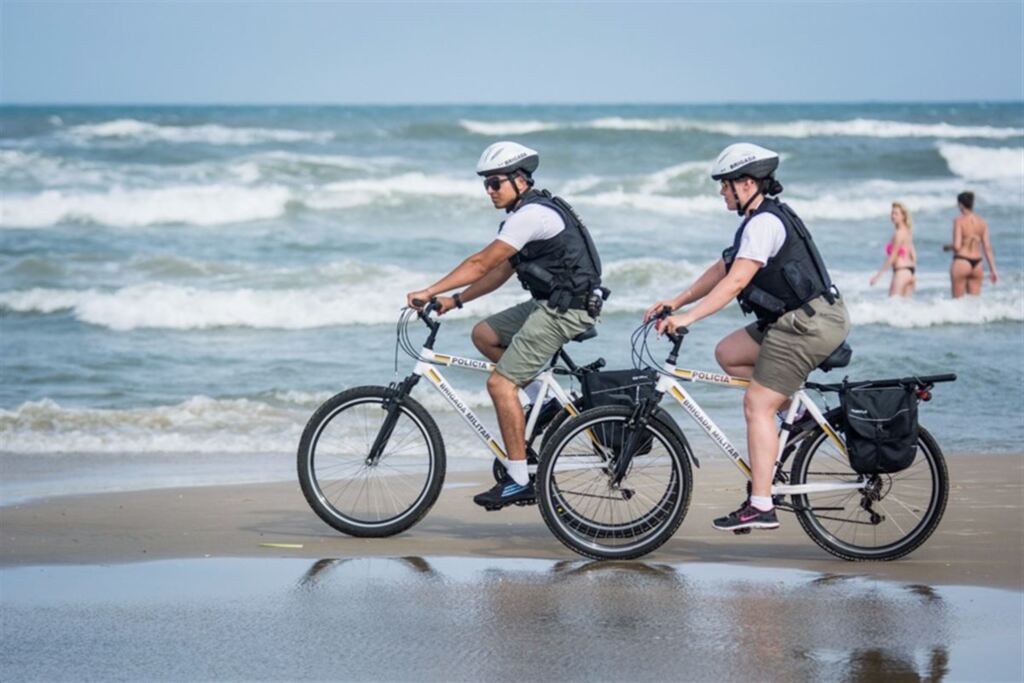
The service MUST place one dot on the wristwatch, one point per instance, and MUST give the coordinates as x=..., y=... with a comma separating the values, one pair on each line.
x=457, y=297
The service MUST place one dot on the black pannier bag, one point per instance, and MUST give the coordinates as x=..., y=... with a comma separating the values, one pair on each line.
x=618, y=388
x=881, y=428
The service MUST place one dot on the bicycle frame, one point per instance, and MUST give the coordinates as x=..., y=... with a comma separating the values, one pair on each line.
x=668, y=384
x=427, y=367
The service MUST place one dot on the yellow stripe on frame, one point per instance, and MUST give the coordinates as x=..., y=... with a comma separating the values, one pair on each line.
x=442, y=358
x=497, y=449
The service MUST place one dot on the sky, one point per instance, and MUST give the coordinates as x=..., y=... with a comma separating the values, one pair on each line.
x=508, y=52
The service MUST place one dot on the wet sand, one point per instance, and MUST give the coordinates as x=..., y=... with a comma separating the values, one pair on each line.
x=979, y=541
x=472, y=619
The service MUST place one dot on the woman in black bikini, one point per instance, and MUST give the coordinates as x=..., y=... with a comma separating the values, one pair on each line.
x=900, y=254
x=970, y=235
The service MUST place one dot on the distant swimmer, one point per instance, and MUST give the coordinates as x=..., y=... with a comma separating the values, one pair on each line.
x=970, y=236
x=900, y=254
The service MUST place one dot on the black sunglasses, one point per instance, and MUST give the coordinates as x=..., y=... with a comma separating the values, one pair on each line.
x=493, y=183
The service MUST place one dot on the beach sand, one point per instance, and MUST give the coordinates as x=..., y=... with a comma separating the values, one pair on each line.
x=174, y=584
x=979, y=541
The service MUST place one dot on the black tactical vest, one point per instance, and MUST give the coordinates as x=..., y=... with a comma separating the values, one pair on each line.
x=563, y=268
x=791, y=278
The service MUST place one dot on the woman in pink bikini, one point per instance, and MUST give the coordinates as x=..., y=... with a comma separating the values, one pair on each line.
x=970, y=235
x=900, y=254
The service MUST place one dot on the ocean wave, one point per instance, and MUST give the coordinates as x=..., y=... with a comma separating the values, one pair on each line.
x=984, y=163
x=198, y=425
x=804, y=128
x=351, y=193
x=359, y=294
x=133, y=130
x=120, y=207
x=938, y=309
x=493, y=128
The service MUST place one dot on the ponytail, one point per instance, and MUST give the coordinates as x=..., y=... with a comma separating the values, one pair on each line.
x=771, y=186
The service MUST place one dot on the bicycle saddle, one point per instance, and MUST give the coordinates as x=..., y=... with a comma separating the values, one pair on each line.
x=839, y=358
x=589, y=333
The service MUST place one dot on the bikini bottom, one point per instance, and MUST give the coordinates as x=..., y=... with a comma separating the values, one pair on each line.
x=973, y=261
x=910, y=268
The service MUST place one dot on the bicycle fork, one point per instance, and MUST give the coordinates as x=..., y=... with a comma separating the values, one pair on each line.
x=396, y=394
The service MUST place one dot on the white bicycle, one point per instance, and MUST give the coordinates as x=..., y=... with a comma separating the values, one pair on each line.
x=615, y=482
x=371, y=460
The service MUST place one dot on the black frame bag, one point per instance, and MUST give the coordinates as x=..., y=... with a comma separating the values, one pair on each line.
x=881, y=427
x=618, y=388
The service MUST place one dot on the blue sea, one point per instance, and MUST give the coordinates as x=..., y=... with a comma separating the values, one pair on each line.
x=181, y=286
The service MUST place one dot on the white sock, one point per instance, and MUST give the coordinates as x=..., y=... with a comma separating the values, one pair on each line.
x=518, y=471
x=532, y=390
x=762, y=503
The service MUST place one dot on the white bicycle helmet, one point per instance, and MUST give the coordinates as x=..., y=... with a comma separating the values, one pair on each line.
x=744, y=159
x=507, y=157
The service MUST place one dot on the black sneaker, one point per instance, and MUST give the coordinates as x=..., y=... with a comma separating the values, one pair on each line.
x=746, y=518
x=506, y=492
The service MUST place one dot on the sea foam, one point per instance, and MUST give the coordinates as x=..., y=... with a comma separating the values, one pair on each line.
x=804, y=128
x=214, y=204
x=135, y=131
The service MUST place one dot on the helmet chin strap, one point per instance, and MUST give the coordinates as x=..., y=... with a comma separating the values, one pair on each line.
x=741, y=209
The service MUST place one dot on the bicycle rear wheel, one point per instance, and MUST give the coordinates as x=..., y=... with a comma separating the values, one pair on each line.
x=363, y=498
x=889, y=517
x=589, y=515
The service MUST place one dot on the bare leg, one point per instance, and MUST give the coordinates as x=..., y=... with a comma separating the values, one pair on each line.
x=485, y=339
x=958, y=273
x=505, y=395
x=974, y=281
x=759, y=406
x=737, y=354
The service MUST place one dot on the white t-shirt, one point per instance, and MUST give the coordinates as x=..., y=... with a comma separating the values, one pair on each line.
x=530, y=223
x=762, y=238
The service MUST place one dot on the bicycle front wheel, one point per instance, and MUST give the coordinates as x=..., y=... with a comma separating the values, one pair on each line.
x=367, y=498
x=582, y=506
x=887, y=518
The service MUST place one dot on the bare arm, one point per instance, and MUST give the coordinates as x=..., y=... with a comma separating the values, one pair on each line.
x=987, y=245
x=698, y=290
x=469, y=271
x=739, y=276
x=887, y=263
x=958, y=236
x=489, y=282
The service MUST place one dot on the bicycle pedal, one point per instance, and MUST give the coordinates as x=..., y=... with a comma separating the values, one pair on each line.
x=742, y=531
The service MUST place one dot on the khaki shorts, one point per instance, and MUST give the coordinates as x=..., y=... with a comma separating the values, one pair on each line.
x=796, y=343
x=532, y=333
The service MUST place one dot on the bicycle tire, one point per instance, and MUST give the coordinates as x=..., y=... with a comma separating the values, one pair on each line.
x=576, y=525
x=857, y=537
x=324, y=463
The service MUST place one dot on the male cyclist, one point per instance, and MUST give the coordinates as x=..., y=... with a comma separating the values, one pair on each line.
x=545, y=244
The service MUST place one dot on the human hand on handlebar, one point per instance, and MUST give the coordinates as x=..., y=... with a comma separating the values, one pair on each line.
x=657, y=308
x=443, y=304
x=674, y=324
x=418, y=299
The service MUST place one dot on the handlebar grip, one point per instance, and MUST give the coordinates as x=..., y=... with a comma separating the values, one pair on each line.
x=418, y=302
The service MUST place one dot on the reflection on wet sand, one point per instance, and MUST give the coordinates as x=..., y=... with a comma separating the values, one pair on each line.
x=717, y=621
x=459, y=618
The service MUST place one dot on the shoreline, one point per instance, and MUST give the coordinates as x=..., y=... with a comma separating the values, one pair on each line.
x=978, y=542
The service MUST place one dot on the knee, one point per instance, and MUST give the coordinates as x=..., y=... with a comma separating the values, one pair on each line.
x=499, y=386
x=483, y=336
x=756, y=406
x=722, y=355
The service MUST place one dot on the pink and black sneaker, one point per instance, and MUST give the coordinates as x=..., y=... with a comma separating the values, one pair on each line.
x=747, y=517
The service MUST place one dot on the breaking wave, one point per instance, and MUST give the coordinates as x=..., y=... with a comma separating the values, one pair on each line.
x=807, y=128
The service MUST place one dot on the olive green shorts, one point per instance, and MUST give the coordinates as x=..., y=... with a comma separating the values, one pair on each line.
x=532, y=333
x=796, y=343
